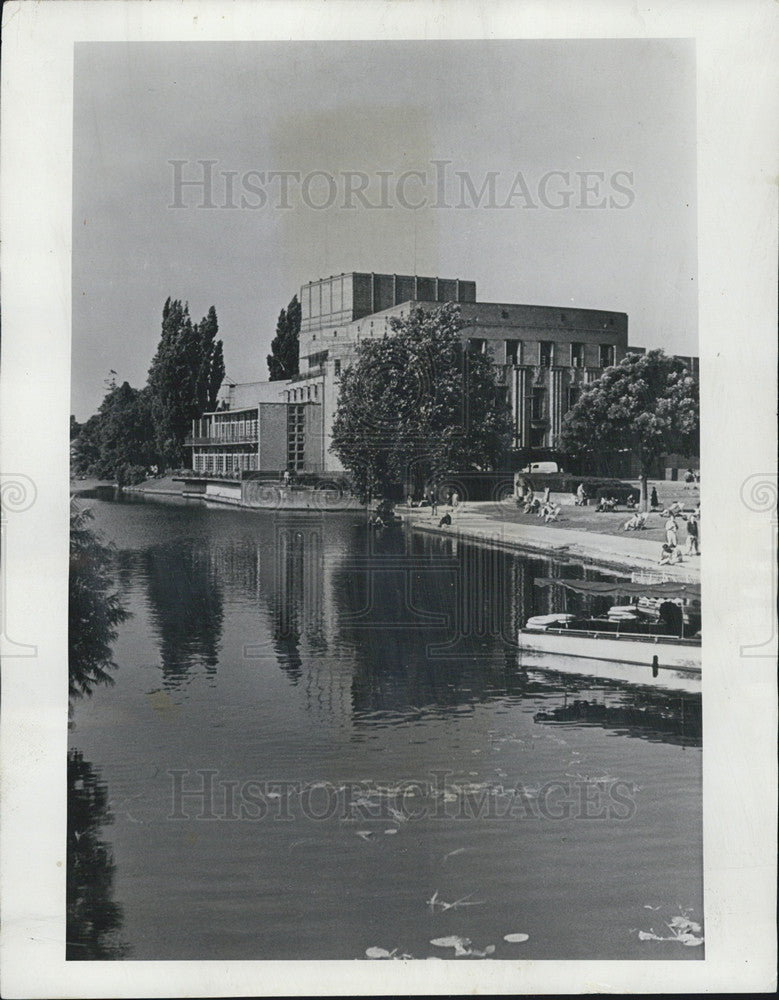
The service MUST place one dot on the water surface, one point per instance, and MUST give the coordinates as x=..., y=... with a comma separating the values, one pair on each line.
x=377, y=677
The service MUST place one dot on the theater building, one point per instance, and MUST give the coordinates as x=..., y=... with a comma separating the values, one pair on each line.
x=545, y=355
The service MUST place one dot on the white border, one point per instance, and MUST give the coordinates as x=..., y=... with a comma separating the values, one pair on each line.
x=737, y=132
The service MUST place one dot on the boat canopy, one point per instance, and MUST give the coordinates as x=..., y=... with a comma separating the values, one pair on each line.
x=604, y=588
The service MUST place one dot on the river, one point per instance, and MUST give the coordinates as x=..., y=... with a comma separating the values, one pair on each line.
x=319, y=741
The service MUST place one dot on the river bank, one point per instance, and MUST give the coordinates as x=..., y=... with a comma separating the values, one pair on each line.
x=580, y=534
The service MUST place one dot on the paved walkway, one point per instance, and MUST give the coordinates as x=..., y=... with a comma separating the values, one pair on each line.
x=628, y=552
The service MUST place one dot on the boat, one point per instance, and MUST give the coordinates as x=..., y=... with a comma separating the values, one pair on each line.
x=654, y=640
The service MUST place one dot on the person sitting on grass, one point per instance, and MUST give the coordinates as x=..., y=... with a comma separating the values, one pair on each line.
x=605, y=505
x=630, y=503
x=445, y=521
x=552, y=512
x=531, y=505
x=635, y=523
x=670, y=554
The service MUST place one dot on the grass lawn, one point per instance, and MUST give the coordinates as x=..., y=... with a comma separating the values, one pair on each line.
x=586, y=518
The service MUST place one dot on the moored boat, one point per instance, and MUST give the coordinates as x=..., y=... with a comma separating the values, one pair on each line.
x=655, y=640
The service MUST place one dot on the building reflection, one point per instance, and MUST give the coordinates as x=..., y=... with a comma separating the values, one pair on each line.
x=94, y=920
x=365, y=622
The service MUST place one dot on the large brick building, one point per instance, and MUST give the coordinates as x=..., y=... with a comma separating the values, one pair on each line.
x=545, y=355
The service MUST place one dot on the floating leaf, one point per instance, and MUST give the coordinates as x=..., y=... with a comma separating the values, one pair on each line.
x=516, y=938
x=364, y=834
x=460, y=944
x=648, y=936
x=379, y=953
x=390, y=832
x=690, y=940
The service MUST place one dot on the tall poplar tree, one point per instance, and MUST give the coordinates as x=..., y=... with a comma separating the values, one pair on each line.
x=284, y=361
x=185, y=376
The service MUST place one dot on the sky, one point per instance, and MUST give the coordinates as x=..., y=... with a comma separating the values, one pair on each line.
x=587, y=148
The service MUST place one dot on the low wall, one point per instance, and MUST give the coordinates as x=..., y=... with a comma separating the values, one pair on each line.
x=226, y=492
x=264, y=495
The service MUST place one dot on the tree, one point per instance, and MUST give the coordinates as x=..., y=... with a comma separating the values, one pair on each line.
x=185, y=376
x=647, y=403
x=94, y=610
x=283, y=361
x=417, y=405
x=118, y=441
x=212, y=367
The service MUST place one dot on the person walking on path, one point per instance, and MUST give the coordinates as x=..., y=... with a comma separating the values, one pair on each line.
x=434, y=502
x=654, y=502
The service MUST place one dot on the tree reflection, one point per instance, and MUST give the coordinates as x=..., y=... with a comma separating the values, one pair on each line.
x=94, y=610
x=93, y=918
x=186, y=605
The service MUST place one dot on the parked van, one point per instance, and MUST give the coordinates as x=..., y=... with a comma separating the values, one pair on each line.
x=542, y=467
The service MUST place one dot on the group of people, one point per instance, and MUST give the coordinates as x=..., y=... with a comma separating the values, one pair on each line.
x=671, y=550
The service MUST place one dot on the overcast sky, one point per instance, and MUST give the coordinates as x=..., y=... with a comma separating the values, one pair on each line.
x=548, y=111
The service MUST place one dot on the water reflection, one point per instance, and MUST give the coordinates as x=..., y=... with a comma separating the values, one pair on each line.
x=185, y=599
x=664, y=718
x=93, y=918
x=340, y=657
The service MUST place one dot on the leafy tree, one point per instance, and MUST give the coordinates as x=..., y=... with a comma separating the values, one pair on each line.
x=647, y=403
x=86, y=446
x=118, y=441
x=184, y=377
x=283, y=361
x=417, y=405
x=212, y=367
x=94, y=610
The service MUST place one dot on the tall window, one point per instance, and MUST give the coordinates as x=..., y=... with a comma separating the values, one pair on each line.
x=547, y=353
x=606, y=355
x=577, y=355
x=538, y=403
x=512, y=352
x=295, y=438
x=337, y=367
x=573, y=396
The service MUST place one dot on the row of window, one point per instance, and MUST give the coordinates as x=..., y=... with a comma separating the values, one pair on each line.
x=304, y=394
x=233, y=462
x=240, y=430
x=569, y=355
